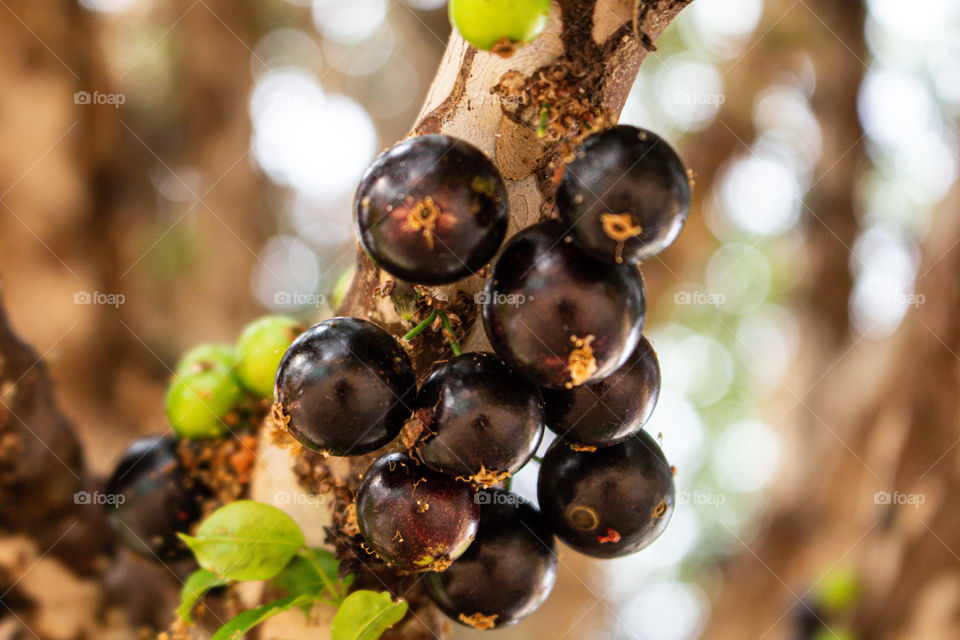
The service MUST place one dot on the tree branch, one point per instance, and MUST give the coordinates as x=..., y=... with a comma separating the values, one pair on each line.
x=526, y=112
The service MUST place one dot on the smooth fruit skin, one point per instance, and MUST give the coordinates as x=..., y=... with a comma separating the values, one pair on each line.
x=482, y=421
x=148, y=503
x=506, y=573
x=205, y=357
x=626, y=195
x=495, y=24
x=610, y=410
x=198, y=401
x=412, y=517
x=345, y=387
x=609, y=502
x=431, y=210
x=260, y=348
x=557, y=316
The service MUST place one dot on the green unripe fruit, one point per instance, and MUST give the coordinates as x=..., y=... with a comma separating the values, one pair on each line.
x=197, y=402
x=205, y=357
x=261, y=347
x=835, y=633
x=838, y=591
x=341, y=287
x=499, y=24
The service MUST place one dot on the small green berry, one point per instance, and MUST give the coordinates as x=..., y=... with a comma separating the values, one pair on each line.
x=261, y=347
x=205, y=357
x=197, y=402
x=838, y=591
x=835, y=633
x=341, y=287
x=499, y=24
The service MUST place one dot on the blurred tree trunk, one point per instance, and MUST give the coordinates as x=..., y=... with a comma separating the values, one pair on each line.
x=79, y=212
x=870, y=417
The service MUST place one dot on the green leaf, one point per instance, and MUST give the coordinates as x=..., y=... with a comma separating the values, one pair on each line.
x=199, y=582
x=243, y=622
x=246, y=540
x=302, y=575
x=365, y=615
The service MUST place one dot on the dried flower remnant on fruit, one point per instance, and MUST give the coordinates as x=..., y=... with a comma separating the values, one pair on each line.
x=581, y=447
x=612, y=536
x=620, y=227
x=441, y=564
x=278, y=430
x=583, y=517
x=581, y=361
x=479, y=621
x=423, y=217
x=487, y=477
x=660, y=510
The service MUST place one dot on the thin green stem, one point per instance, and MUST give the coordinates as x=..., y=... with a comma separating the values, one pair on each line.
x=417, y=330
x=537, y=459
x=332, y=588
x=449, y=331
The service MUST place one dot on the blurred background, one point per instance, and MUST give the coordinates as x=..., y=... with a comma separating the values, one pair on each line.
x=171, y=170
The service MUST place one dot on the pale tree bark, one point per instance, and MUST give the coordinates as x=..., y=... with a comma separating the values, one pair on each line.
x=526, y=112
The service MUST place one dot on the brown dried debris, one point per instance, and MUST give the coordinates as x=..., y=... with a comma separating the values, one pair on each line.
x=581, y=362
x=479, y=621
x=487, y=477
x=555, y=101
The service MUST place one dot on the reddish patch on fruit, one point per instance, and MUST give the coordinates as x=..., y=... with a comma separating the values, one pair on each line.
x=612, y=537
x=414, y=518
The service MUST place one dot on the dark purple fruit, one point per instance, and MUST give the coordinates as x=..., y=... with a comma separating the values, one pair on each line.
x=344, y=387
x=557, y=316
x=481, y=422
x=147, y=501
x=506, y=573
x=414, y=518
x=626, y=195
x=431, y=209
x=610, y=410
x=607, y=502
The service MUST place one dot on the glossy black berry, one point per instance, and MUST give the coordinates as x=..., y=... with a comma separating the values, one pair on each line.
x=558, y=316
x=607, y=502
x=610, y=410
x=506, y=573
x=414, y=518
x=344, y=387
x=147, y=501
x=481, y=422
x=626, y=194
x=431, y=209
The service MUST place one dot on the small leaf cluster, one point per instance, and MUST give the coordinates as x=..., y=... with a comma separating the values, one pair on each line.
x=246, y=541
